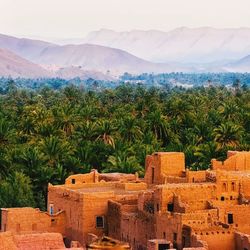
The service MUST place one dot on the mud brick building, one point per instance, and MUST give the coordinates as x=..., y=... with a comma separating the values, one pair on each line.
x=170, y=208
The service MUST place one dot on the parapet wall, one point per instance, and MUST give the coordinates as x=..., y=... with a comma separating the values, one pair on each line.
x=91, y=177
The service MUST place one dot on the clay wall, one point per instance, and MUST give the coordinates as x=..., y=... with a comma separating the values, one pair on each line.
x=195, y=176
x=132, y=186
x=115, y=211
x=218, y=238
x=114, y=219
x=27, y=220
x=83, y=203
x=39, y=241
x=174, y=179
x=7, y=241
x=72, y=203
x=137, y=229
x=32, y=241
x=237, y=161
x=121, y=177
x=154, y=244
x=196, y=242
x=195, y=195
x=91, y=177
x=245, y=189
x=200, y=219
x=240, y=221
x=228, y=186
x=95, y=204
x=169, y=227
x=163, y=164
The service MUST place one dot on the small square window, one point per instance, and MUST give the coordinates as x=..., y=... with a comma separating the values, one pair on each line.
x=73, y=181
x=99, y=222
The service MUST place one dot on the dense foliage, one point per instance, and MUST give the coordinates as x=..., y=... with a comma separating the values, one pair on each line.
x=49, y=134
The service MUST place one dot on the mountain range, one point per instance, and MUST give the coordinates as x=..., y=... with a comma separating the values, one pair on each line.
x=106, y=54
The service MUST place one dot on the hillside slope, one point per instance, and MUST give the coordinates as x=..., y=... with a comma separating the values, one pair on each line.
x=16, y=66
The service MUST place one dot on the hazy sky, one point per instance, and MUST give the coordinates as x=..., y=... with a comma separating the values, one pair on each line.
x=75, y=18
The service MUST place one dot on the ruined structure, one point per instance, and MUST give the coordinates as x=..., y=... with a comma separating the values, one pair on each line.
x=171, y=208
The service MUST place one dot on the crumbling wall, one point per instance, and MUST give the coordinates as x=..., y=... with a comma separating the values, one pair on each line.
x=195, y=195
x=169, y=227
x=114, y=219
x=137, y=229
x=196, y=242
x=236, y=161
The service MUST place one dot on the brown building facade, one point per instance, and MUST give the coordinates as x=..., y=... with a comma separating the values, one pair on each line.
x=171, y=208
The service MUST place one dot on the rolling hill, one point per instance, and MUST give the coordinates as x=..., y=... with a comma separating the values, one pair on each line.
x=16, y=66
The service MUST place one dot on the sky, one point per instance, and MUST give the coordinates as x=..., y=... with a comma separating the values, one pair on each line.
x=76, y=18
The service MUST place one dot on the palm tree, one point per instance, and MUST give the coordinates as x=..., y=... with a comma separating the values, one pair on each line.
x=66, y=119
x=129, y=129
x=204, y=153
x=6, y=132
x=16, y=191
x=158, y=124
x=5, y=163
x=229, y=110
x=104, y=131
x=55, y=149
x=227, y=135
x=123, y=163
x=32, y=159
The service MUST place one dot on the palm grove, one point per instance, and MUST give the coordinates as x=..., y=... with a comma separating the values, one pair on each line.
x=47, y=135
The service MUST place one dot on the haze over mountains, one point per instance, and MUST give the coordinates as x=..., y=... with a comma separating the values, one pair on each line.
x=106, y=54
x=200, y=45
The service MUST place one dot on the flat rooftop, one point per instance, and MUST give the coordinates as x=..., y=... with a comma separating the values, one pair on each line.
x=105, y=187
